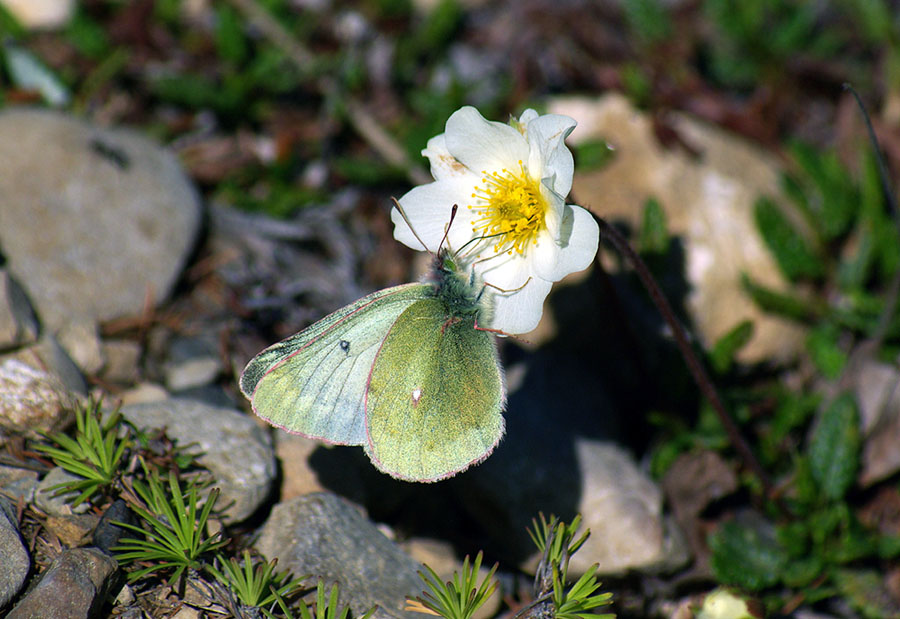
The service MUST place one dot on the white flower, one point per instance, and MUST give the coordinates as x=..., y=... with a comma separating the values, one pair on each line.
x=513, y=225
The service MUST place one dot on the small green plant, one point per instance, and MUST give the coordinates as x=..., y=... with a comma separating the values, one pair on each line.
x=324, y=609
x=557, y=542
x=255, y=583
x=94, y=454
x=458, y=598
x=174, y=535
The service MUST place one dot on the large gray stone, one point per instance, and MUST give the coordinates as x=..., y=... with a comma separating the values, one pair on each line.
x=18, y=324
x=13, y=554
x=326, y=536
x=237, y=451
x=92, y=220
x=74, y=586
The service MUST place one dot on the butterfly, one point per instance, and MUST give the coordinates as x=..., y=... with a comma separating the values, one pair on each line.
x=405, y=372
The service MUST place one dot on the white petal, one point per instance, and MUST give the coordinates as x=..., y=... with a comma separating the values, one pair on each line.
x=504, y=271
x=428, y=208
x=549, y=155
x=443, y=164
x=520, y=312
x=545, y=256
x=483, y=145
x=526, y=117
x=579, y=236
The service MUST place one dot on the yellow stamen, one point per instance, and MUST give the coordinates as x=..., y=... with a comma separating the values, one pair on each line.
x=511, y=209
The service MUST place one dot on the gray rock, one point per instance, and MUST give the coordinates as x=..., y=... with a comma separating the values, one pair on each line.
x=193, y=362
x=18, y=483
x=13, y=554
x=80, y=200
x=237, y=451
x=39, y=388
x=45, y=497
x=326, y=536
x=18, y=324
x=81, y=339
x=622, y=507
x=74, y=586
x=122, y=361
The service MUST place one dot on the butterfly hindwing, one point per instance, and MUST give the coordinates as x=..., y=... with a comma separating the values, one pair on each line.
x=314, y=383
x=435, y=395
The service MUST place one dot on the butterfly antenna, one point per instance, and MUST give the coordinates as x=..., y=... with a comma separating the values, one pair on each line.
x=447, y=227
x=408, y=223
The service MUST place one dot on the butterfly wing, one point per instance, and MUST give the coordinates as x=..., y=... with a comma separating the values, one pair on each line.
x=314, y=383
x=435, y=395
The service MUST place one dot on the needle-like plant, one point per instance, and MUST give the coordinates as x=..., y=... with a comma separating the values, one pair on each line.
x=458, y=598
x=557, y=542
x=256, y=584
x=94, y=454
x=173, y=534
x=324, y=609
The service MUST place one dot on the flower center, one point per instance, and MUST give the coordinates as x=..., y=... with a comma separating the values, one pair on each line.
x=511, y=209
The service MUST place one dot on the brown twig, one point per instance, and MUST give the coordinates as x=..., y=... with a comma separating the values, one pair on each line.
x=690, y=358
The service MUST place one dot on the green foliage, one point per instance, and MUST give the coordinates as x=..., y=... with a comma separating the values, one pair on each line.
x=834, y=447
x=756, y=38
x=255, y=583
x=791, y=251
x=94, y=454
x=804, y=553
x=579, y=600
x=825, y=350
x=87, y=36
x=326, y=608
x=723, y=352
x=648, y=20
x=654, y=234
x=458, y=598
x=173, y=534
x=557, y=542
x=593, y=154
x=746, y=556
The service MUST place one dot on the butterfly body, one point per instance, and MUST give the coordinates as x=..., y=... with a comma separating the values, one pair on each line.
x=404, y=372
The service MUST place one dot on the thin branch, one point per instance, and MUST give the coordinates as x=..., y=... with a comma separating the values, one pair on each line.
x=690, y=358
x=893, y=291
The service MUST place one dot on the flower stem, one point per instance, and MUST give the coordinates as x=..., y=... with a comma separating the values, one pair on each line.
x=690, y=357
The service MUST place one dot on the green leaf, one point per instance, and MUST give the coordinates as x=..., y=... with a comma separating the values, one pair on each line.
x=593, y=154
x=867, y=592
x=87, y=36
x=834, y=198
x=791, y=251
x=825, y=351
x=654, y=236
x=648, y=20
x=724, y=350
x=230, y=41
x=746, y=556
x=834, y=447
x=789, y=306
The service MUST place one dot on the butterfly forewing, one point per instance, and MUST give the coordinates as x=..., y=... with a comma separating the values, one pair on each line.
x=435, y=395
x=313, y=383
